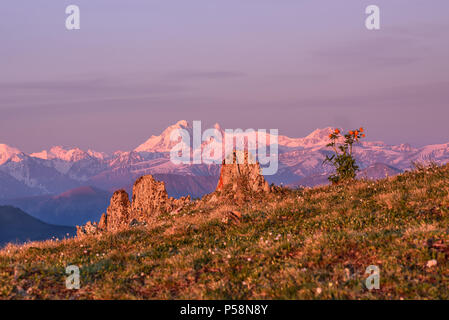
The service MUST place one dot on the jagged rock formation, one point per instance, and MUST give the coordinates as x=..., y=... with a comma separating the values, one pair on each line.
x=240, y=176
x=116, y=217
x=150, y=199
x=118, y=213
x=240, y=180
x=88, y=229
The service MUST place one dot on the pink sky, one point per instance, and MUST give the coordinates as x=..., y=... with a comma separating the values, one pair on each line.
x=136, y=67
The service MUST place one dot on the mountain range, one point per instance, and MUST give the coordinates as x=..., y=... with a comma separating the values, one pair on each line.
x=48, y=182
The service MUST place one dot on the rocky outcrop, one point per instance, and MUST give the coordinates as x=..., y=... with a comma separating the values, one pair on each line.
x=88, y=229
x=118, y=213
x=150, y=199
x=116, y=218
x=241, y=176
x=240, y=180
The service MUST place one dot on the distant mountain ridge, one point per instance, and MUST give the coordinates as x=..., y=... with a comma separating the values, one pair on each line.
x=70, y=208
x=16, y=226
x=54, y=171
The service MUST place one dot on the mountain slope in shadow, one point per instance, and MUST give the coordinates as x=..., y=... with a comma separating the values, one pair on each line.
x=17, y=226
x=71, y=208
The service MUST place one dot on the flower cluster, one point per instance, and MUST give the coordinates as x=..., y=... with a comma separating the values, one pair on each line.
x=357, y=134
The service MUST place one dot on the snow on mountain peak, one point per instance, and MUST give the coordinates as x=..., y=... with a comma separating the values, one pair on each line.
x=404, y=147
x=316, y=138
x=162, y=143
x=217, y=126
x=319, y=135
x=182, y=123
x=9, y=153
x=123, y=158
x=96, y=154
x=58, y=152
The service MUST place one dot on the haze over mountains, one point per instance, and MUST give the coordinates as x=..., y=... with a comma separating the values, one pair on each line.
x=57, y=183
x=73, y=207
x=17, y=226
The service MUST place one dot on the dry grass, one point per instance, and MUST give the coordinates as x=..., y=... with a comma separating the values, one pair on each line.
x=296, y=244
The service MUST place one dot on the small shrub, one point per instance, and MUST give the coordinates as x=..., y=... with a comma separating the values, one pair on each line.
x=343, y=159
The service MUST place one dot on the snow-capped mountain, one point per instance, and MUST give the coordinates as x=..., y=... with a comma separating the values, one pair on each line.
x=39, y=175
x=58, y=152
x=163, y=143
x=317, y=139
x=60, y=169
x=75, y=163
x=8, y=153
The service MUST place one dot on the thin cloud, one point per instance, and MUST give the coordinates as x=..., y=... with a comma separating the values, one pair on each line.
x=207, y=75
x=50, y=92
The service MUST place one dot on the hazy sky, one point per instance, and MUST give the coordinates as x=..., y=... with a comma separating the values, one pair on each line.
x=136, y=67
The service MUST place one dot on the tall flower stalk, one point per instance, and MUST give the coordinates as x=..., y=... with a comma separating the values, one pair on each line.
x=343, y=159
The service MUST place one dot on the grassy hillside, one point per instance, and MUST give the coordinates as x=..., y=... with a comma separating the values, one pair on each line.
x=303, y=244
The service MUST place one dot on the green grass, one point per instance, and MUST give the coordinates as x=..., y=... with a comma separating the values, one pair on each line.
x=297, y=244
